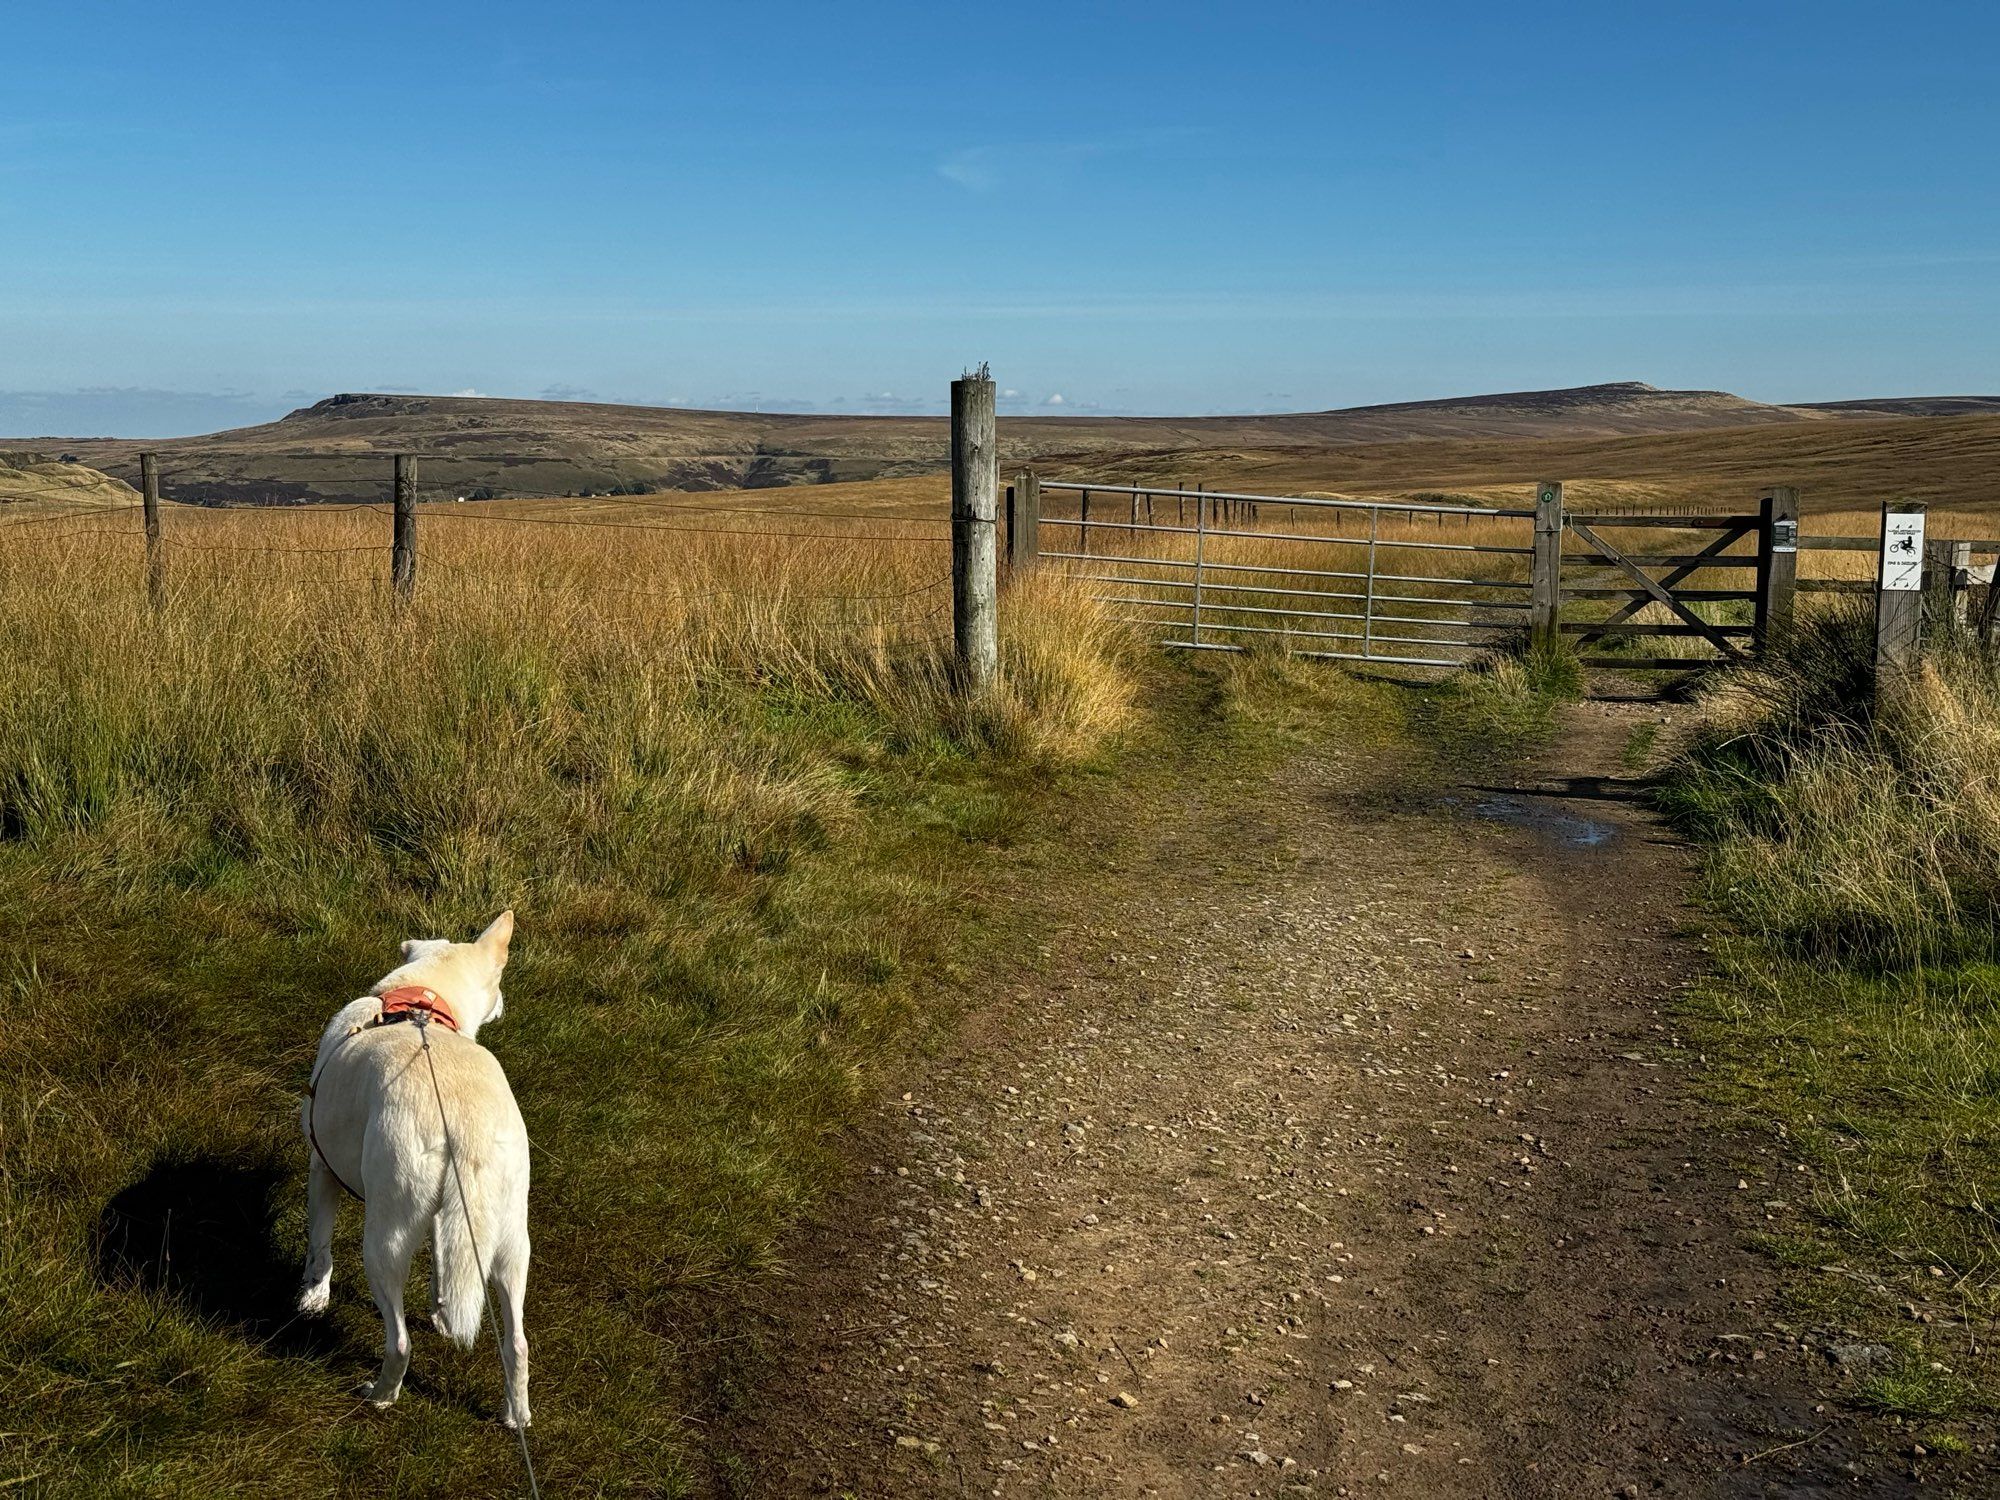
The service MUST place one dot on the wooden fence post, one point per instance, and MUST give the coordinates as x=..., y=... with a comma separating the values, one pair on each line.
x=149, y=494
x=1024, y=520
x=1545, y=579
x=1945, y=563
x=403, y=552
x=975, y=486
x=1777, y=563
x=1899, y=611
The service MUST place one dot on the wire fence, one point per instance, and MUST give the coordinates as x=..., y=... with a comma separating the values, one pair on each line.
x=872, y=571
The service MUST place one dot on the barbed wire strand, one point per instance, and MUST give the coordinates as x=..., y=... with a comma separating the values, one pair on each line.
x=72, y=515
x=585, y=588
x=812, y=536
x=691, y=506
x=176, y=543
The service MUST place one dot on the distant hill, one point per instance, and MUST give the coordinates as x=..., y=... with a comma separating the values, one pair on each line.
x=1851, y=462
x=35, y=480
x=1908, y=406
x=339, y=448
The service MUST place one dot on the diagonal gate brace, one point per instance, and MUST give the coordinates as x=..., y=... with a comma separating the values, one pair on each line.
x=1658, y=591
x=1687, y=570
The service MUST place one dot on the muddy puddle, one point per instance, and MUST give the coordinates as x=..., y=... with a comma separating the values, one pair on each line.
x=1545, y=817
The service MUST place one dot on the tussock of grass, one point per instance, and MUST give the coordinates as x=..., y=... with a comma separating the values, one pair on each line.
x=1874, y=837
x=727, y=785
x=1506, y=703
x=1858, y=1002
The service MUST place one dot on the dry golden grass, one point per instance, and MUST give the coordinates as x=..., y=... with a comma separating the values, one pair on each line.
x=727, y=783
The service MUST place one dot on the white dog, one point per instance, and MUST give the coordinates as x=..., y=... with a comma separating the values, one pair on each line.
x=374, y=1126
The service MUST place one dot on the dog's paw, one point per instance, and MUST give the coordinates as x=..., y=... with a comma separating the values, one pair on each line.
x=313, y=1300
x=527, y=1420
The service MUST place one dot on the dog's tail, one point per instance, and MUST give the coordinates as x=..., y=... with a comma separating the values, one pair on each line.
x=461, y=1279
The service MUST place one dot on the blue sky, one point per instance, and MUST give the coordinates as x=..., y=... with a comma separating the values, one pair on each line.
x=211, y=212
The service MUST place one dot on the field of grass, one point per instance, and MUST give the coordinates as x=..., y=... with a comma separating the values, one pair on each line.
x=1856, y=1009
x=724, y=782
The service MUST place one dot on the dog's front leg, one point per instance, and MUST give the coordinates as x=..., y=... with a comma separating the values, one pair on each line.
x=322, y=1201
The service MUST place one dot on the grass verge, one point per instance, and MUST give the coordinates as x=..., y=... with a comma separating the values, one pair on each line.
x=1855, y=1010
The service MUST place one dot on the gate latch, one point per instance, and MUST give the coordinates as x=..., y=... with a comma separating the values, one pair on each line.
x=1784, y=536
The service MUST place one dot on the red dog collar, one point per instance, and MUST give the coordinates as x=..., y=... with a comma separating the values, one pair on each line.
x=402, y=1002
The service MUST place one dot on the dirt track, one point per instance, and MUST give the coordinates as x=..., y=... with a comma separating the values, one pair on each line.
x=1346, y=1150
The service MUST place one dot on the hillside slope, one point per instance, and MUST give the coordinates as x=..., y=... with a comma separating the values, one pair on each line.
x=1907, y=406
x=1836, y=464
x=339, y=448
x=33, y=480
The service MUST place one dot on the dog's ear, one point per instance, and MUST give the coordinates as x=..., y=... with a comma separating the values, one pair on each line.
x=410, y=947
x=496, y=937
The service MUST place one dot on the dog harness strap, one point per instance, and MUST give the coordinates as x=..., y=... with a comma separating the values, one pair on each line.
x=405, y=1002
x=320, y=1151
x=398, y=1005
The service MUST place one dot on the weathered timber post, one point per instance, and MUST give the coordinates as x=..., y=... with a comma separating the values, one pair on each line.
x=1024, y=520
x=975, y=489
x=149, y=495
x=403, y=552
x=1961, y=584
x=1083, y=531
x=1777, y=564
x=1989, y=608
x=1899, y=612
x=1945, y=563
x=1545, y=577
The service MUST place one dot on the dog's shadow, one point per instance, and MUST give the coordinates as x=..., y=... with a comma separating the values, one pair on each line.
x=201, y=1230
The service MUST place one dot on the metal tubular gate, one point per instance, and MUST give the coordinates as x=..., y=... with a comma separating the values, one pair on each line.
x=1212, y=582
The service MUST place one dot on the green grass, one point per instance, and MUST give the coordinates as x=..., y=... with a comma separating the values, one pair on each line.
x=689, y=1023
x=1854, y=1013
x=748, y=846
x=1506, y=704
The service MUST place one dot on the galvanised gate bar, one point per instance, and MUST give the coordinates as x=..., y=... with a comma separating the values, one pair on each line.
x=1355, y=580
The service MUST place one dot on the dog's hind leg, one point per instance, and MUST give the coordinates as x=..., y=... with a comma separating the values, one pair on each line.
x=388, y=1241
x=509, y=1284
x=321, y=1203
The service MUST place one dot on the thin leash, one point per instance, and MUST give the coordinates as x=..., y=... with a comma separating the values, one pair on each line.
x=465, y=1207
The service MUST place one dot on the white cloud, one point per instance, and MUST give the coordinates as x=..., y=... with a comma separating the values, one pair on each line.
x=1055, y=400
x=980, y=169
x=469, y=391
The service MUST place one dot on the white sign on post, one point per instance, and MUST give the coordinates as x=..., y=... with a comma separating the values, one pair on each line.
x=1903, y=551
